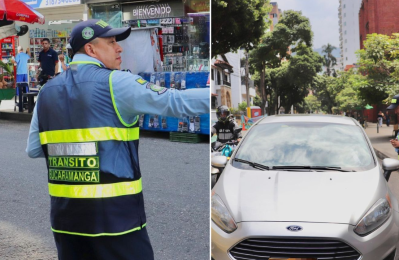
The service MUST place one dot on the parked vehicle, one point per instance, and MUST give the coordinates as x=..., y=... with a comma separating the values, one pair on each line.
x=305, y=187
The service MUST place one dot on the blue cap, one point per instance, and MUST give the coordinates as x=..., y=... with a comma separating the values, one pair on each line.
x=86, y=31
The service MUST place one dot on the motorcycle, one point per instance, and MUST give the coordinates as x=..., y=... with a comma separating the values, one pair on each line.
x=220, y=154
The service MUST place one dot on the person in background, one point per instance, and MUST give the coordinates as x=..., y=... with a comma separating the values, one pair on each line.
x=387, y=118
x=395, y=105
x=48, y=59
x=21, y=62
x=62, y=65
x=380, y=117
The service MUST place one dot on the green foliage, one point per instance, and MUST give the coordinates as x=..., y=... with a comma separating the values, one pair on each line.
x=242, y=106
x=234, y=111
x=257, y=101
x=7, y=67
x=238, y=24
x=278, y=78
x=379, y=61
x=329, y=60
x=312, y=103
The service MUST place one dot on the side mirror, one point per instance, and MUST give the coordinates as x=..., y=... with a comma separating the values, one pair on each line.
x=389, y=165
x=214, y=170
x=237, y=130
x=219, y=161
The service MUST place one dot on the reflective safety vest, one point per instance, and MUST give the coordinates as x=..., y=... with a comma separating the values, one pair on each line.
x=92, y=155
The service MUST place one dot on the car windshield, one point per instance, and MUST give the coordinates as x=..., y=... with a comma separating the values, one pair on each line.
x=306, y=144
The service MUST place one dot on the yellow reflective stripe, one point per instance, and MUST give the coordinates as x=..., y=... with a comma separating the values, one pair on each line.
x=85, y=62
x=89, y=135
x=100, y=234
x=393, y=101
x=96, y=190
x=114, y=104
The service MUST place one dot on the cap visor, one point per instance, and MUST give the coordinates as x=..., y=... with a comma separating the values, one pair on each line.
x=392, y=106
x=119, y=33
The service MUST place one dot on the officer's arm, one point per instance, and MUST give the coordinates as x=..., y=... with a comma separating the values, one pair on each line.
x=135, y=96
x=34, y=148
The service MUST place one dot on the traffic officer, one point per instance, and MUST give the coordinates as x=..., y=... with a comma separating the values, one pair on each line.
x=224, y=127
x=395, y=105
x=85, y=124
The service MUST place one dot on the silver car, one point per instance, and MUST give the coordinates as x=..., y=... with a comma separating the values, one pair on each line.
x=305, y=187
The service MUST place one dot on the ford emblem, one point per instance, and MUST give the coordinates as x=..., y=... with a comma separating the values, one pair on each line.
x=294, y=228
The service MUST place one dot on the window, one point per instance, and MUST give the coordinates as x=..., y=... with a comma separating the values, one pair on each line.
x=226, y=78
x=344, y=14
x=346, y=58
x=212, y=76
x=343, y=146
x=344, y=23
x=346, y=40
x=344, y=6
x=346, y=49
x=218, y=78
x=345, y=32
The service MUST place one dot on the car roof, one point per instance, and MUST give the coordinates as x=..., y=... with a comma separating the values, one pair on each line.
x=309, y=118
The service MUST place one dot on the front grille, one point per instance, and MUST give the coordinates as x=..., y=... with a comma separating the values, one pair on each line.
x=391, y=256
x=316, y=248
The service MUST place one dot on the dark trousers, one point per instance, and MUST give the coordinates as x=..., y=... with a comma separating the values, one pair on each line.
x=388, y=121
x=132, y=246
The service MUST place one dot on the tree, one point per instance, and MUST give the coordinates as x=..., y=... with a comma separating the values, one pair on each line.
x=293, y=29
x=292, y=80
x=379, y=62
x=329, y=60
x=238, y=24
x=312, y=104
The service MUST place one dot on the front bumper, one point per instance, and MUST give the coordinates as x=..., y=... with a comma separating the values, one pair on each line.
x=374, y=246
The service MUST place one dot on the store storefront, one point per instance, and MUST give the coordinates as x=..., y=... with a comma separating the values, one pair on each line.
x=168, y=46
x=60, y=17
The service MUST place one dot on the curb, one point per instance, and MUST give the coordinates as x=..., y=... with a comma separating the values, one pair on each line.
x=381, y=155
x=24, y=117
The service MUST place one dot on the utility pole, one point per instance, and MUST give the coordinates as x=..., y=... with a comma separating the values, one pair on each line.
x=247, y=84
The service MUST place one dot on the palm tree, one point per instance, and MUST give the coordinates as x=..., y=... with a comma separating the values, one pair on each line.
x=329, y=60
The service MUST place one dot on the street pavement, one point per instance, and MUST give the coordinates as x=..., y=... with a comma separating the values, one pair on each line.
x=175, y=185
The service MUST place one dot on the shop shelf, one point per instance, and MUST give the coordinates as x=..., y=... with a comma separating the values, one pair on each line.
x=187, y=137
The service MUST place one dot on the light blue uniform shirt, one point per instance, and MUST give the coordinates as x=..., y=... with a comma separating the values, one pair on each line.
x=22, y=63
x=132, y=99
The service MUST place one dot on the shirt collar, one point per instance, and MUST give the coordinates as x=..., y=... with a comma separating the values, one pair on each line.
x=85, y=57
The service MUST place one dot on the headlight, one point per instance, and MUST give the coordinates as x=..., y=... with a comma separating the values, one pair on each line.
x=375, y=217
x=221, y=216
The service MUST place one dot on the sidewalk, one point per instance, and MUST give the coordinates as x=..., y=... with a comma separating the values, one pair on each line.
x=380, y=141
x=7, y=112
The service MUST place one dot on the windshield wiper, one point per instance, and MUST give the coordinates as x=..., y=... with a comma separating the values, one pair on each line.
x=327, y=168
x=253, y=164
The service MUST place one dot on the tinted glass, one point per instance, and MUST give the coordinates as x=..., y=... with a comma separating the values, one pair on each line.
x=307, y=144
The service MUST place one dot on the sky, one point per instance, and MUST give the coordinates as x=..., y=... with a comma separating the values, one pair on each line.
x=323, y=16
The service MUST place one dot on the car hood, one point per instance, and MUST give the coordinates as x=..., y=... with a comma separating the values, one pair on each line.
x=329, y=197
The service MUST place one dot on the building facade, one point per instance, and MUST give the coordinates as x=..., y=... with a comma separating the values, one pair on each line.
x=349, y=31
x=228, y=80
x=378, y=16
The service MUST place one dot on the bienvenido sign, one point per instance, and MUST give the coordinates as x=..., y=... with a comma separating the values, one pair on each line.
x=153, y=11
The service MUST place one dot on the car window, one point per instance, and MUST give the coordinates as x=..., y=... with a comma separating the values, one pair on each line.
x=307, y=144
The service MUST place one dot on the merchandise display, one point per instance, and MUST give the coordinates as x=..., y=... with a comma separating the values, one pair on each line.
x=184, y=42
x=196, y=125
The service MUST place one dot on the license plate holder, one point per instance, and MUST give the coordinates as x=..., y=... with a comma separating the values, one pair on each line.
x=292, y=258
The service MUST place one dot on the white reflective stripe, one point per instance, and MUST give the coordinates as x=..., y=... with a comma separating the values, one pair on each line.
x=225, y=136
x=72, y=149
